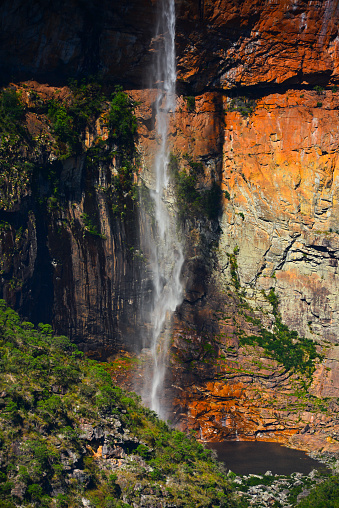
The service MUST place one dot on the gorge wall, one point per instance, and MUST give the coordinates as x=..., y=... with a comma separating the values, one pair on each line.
x=257, y=118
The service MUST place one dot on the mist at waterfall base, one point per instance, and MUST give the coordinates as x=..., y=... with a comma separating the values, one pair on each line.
x=258, y=457
x=161, y=242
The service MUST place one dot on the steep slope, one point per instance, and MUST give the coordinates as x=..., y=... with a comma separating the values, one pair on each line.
x=69, y=437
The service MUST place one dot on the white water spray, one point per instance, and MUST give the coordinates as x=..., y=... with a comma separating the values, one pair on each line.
x=166, y=250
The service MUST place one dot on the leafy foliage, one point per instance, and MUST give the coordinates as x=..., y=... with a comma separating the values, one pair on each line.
x=48, y=390
x=324, y=495
x=90, y=227
x=190, y=103
x=16, y=169
x=284, y=345
x=192, y=201
x=243, y=105
x=122, y=122
x=122, y=128
x=70, y=119
x=63, y=127
x=11, y=112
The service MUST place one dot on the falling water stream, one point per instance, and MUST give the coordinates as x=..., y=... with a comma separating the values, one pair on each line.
x=166, y=257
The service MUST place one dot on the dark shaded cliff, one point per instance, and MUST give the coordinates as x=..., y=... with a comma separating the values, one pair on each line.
x=56, y=41
x=69, y=227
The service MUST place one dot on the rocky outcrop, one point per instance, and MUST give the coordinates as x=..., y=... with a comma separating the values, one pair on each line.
x=227, y=43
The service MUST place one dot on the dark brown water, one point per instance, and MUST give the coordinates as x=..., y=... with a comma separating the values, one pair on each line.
x=244, y=457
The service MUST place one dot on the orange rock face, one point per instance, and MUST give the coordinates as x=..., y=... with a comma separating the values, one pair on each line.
x=258, y=42
x=278, y=169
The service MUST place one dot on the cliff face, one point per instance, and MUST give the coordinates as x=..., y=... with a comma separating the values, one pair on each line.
x=225, y=43
x=247, y=120
x=229, y=43
x=68, y=246
x=53, y=42
x=276, y=235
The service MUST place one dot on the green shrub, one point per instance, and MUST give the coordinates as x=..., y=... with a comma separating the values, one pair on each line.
x=284, y=345
x=70, y=119
x=122, y=122
x=90, y=227
x=16, y=168
x=62, y=124
x=35, y=492
x=243, y=105
x=193, y=202
x=190, y=103
x=11, y=112
x=319, y=89
x=324, y=495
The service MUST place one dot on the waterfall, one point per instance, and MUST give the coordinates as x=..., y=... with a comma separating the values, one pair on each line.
x=166, y=253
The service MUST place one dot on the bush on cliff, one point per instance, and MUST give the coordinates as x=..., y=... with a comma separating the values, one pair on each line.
x=16, y=168
x=69, y=437
x=122, y=122
x=69, y=119
x=11, y=112
x=296, y=354
x=194, y=202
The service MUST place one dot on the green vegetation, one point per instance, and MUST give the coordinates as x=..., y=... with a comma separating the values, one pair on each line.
x=324, y=495
x=234, y=268
x=194, y=202
x=190, y=103
x=243, y=105
x=319, y=89
x=63, y=122
x=61, y=415
x=122, y=122
x=296, y=353
x=90, y=227
x=11, y=113
x=16, y=169
x=122, y=127
x=70, y=118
